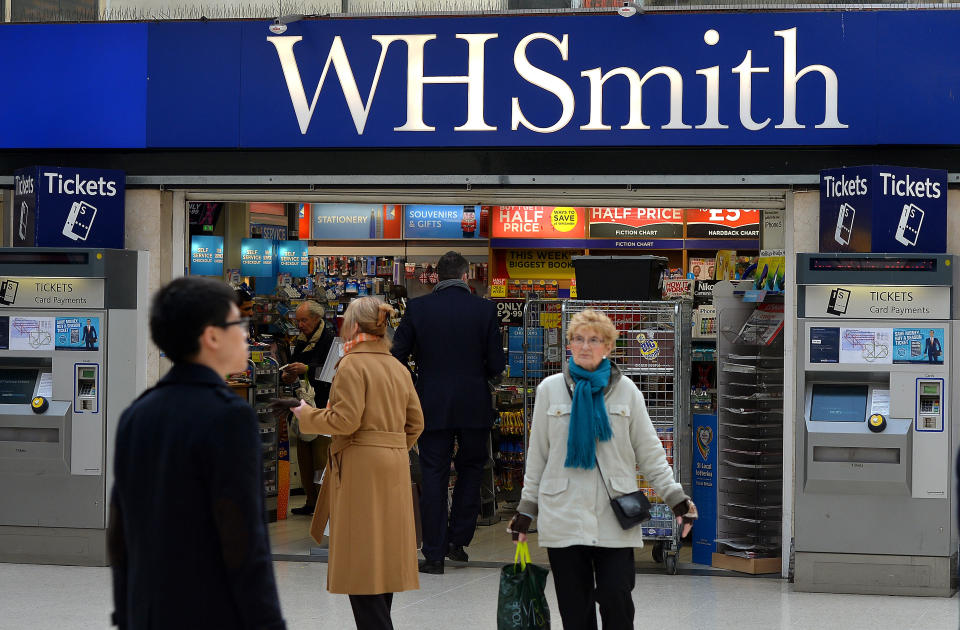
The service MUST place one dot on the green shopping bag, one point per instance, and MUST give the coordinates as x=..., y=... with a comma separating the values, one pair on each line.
x=522, y=604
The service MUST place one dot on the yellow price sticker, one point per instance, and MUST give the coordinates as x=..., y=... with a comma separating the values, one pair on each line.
x=550, y=320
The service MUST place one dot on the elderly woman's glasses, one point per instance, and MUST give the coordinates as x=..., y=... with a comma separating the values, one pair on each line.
x=593, y=342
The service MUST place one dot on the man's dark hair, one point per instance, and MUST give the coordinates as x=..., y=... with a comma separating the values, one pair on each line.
x=452, y=266
x=183, y=309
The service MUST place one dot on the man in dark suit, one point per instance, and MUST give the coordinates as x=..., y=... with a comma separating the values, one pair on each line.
x=932, y=348
x=90, y=336
x=455, y=340
x=186, y=537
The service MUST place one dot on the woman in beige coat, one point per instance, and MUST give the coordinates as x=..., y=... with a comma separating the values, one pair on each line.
x=374, y=418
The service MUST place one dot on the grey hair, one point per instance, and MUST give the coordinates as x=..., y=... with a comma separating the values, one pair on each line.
x=314, y=308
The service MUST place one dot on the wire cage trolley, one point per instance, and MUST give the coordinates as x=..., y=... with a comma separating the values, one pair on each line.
x=653, y=350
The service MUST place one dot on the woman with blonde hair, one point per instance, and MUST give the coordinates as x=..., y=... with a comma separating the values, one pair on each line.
x=591, y=433
x=374, y=418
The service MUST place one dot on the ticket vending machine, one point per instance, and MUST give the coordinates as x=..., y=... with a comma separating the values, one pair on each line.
x=72, y=357
x=875, y=427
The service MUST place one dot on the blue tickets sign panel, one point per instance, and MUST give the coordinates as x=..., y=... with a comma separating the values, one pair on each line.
x=292, y=258
x=206, y=255
x=883, y=209
x=77, y=333
x=440, y=222
x=71, y=207
x=704, y=491
x=256, y=258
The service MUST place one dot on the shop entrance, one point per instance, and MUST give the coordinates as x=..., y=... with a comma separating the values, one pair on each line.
x=285, y=247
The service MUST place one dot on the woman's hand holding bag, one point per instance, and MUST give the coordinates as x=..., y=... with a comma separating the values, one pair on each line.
x=519, y=526
x=686, y=513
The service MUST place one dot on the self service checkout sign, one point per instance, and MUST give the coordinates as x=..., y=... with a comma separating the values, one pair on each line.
x=68, y=207
x=883, y=209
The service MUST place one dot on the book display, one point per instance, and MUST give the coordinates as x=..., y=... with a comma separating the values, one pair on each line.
x=750, y=428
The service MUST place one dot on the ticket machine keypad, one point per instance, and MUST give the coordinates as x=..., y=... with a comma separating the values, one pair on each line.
x=929, y=405
x=85, y=399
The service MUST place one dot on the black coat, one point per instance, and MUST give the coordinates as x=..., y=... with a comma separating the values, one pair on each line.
x=455, y=338
x=187, y=538
x=315, y=358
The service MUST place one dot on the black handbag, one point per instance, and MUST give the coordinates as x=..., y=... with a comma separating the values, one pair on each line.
x=630, y=509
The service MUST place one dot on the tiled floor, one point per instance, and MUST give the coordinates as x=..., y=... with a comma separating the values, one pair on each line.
x=77, y=598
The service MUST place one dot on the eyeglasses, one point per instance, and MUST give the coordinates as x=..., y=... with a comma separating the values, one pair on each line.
x=243, y=321
x=594, y=342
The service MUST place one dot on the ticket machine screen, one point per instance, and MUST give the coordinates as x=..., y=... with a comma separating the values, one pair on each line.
x=838, y=403
x=17, y=385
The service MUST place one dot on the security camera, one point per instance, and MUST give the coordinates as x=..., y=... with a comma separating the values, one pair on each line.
x=278, y=27
x=627, y=10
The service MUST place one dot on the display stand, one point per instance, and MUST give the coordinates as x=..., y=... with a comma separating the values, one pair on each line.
x=265, y=378
x=750, y=428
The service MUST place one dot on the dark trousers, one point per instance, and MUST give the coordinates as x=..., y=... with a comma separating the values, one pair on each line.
x=372, y=612
x=311, y=457
x=587, y=576
x=436, y=451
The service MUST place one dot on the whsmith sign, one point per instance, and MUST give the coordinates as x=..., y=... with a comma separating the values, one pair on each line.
x=567, y=80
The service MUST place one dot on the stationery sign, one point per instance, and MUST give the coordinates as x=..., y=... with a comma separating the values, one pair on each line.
x=723, y=223
x=355, y=221
x=636, y=222
x=68, y=207
x=440, y=222
x=292, y=258
x=206, y=255
x=561, y=222
x=883, y=209
x=256, y=257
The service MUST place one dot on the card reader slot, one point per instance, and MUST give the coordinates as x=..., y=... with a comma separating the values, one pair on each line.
x=856, y=454
x=29, y=434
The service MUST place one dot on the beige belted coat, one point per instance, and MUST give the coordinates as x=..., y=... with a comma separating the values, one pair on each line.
x=374, y=419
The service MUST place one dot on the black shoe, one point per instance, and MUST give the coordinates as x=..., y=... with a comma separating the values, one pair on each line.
x=434, y=567
x=457, y=554
x=306, y=510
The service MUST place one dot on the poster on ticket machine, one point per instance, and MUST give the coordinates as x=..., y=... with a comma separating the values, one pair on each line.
x=539, y=222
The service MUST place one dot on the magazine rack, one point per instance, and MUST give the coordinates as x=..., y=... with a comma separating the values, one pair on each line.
x=750, y=429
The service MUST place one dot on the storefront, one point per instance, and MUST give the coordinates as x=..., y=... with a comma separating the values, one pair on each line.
x=574, y=134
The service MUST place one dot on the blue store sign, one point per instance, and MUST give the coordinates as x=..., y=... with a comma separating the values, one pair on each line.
x=347, y=221
x=256, y=258
x=705, y=79
x=883, y=209
x=69, y=207
x=440, y=222
x=292, y=258
x=206, y=255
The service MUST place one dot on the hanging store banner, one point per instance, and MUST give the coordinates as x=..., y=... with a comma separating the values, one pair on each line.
x=355, y=221
x=640, y=223
x=268, y=231
x=722, y=223
x=883, y=209
x=547, y=264
x=292, y=258
x=206, y=255
x=256, y=258
x=441, y=222
x=69, y=207
x=549, y=222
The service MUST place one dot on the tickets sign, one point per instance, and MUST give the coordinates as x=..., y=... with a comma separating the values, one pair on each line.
x=539, y=222
x=723, y=223
x=636, y=222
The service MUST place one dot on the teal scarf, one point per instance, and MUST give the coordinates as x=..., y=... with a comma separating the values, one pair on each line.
x=588, y=417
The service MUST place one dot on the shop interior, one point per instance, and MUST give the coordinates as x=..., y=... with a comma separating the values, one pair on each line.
x=523, y=257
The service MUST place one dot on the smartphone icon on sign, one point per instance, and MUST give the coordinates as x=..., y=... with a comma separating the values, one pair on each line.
x=844, y=224
x=24, y=211
x=909, y=228
x=79, y=221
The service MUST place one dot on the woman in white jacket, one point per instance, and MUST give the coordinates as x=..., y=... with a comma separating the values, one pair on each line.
x=587, y=422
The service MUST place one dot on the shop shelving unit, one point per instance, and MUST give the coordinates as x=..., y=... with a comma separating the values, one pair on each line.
x=265, y=379
x=750, y=386
x=653, y=351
